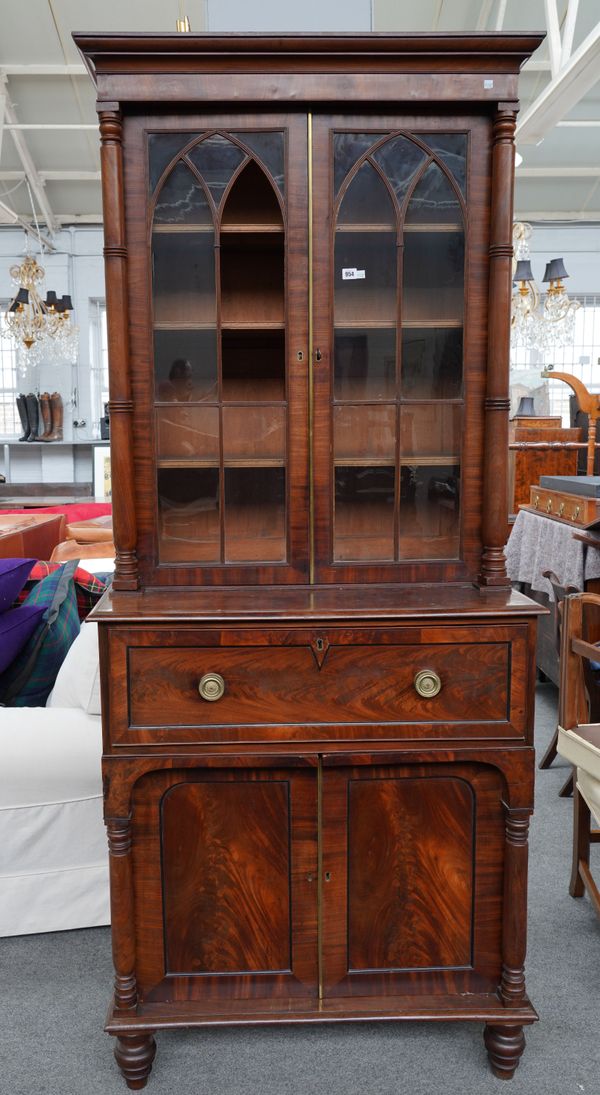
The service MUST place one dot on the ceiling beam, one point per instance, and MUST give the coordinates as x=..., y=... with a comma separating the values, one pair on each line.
x=53, y=176
x=568, y=32
x=36, y=184
x=500, y=14
x=558, y=172
x=563, y=92
x=19, y=126
x=2, y=106
x=553, y=28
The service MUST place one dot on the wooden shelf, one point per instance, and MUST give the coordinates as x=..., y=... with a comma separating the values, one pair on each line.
x=365, y=227
x=450, y=227
x=406, y=228
x=180, y=325
x=210, y=462
x=175, y=229
x=365, y=461
x=445, y=460
x=248, y=325
x=256, y=228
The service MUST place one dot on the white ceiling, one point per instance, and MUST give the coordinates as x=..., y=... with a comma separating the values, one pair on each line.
x=558, y=180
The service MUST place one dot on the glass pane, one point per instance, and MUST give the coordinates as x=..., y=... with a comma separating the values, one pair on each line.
x=451, y=148
x=400, y=159
x=433, y=278
x=253, y=364
x=185, y=366
x=255, y=515
x=184, y=278
x=162, y=149
x=269, y=146
x=364, y=364
x=365, y=279
x=429, y=511
x=188, y=515
x=252, y=279
x=347, y=149
x=253, y=435
x=181, y=199
x=252, y=201
x=188, y=434
x=216, y=159
x=364, y=435
x=433, y=200
x=367, y=200
x=432, y=362
x=364, y=513
x=431, y=430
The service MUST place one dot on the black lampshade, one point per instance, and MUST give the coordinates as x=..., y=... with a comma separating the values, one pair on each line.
x=555, y=269
x=22, y=297
x=50, y=299
x=526, y=408
x=523, y=271
x=60, y=305
x=67, y=304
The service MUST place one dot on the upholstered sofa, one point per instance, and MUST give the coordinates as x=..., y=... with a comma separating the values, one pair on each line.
x=53, y=856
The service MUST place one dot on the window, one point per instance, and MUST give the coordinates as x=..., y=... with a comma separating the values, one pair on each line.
x=9, y=416
x=580, y=358
x=98, y=359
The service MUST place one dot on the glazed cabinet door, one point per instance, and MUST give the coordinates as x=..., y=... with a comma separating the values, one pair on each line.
x=400, y=245
x=217, y=239
x=225, y=868
x=413, y=875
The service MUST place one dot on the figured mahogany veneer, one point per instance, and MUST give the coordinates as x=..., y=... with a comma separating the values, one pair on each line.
x=308, y=260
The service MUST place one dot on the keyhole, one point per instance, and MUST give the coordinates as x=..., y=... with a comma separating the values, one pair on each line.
x=328, y=876
x=300, y=355
x=319, y=644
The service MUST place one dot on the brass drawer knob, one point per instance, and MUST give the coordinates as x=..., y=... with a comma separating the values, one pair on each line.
x=211, y=686
x=427, y=683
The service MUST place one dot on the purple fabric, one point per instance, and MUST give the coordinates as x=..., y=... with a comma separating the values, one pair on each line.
x=13, y=575
x=16, y=627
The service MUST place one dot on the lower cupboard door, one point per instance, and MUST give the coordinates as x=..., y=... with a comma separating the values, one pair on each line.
x=412, y=880
x=225, y=877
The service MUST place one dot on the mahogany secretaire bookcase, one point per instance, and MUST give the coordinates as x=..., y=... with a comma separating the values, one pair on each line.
x=317, y=683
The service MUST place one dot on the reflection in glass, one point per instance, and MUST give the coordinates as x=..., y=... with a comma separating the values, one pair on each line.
x=162, y=149
x=188, y=515
x=254, y=434
x=429, y=511
x=216, y=159
x=185, y=365
x=255, y=515
x=347, y=149
x=253, y=364
x=364, y=513
x=432, y=362
x=367, y=200
x=364, y=364
x=433, y=200
x=433, y=278
x=451, y=148
x=182, y=200
x=184, y=278
x=365, y=279
x=269, y=146
x=400, y=159
x=365, y=434
x=187, y=433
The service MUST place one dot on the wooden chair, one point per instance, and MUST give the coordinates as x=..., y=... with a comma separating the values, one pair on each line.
x=578, y=738
x=560, y=592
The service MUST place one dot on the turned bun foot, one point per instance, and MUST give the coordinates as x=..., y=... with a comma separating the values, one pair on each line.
x=134, y=1054
x=505, y=1045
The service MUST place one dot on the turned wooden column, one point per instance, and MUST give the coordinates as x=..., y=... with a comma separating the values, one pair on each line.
x=120, y=402
x=514, y=921
x=497, y=403
x=122, y=911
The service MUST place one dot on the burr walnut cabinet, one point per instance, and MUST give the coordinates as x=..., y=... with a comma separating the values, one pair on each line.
x=317, y=682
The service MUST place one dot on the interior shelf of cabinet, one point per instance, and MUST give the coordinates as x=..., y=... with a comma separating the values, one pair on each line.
x=365, y=461
x=182, y=325
x=249, y=325
x=254, y=228
x=173, y=229
x=213, y=462
x=364, y=227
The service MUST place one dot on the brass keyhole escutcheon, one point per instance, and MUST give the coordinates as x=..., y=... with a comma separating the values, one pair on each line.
x=211, y=687
x=427, y=683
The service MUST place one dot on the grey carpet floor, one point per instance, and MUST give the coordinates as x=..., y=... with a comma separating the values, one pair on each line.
x=54, y=991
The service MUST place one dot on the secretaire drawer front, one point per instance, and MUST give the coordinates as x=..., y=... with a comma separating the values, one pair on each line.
x=350, y=684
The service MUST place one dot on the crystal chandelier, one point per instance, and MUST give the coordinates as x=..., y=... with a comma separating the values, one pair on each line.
x=535, y=323
x=42, y=329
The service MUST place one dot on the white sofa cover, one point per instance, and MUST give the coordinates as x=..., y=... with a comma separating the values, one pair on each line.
x=53, y=852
